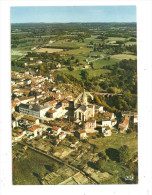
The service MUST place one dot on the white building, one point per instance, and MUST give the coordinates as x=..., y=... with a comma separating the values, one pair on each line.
x=106, y=122
x=56, y=130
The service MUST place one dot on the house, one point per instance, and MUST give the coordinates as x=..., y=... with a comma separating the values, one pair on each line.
x=109, y=115
x=135, y=120
x=113, y=122
x=31, y=119
x=16, y=116
x=56, y=130
x=106, y=122
x=65, y=104
x=25, y=147
x=58, y=65
x=62, y=136
x=124, y=126
x=39, y=62
x=19, y=136
x=35, y=130
x=24, y=100
x=81, y=134
x=53, y=103
x=128, y=113
x=91, y=124
x=106, y=130
x=99, y=109
x=19, y=93
x=13, y=106
x=27, y=81
x=14, y=124
x=16, y=101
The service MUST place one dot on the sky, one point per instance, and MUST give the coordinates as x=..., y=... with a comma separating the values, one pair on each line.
x=65, y=14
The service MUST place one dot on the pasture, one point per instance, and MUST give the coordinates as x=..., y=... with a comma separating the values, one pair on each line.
x=124, y=56
x=48, y=50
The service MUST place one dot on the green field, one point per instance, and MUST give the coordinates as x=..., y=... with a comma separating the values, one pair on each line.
x=124, y=56
x=26, y=169
x=92, y=73
x=101, y=62
x=130, y=43
x=116, y=141
x=97, y=71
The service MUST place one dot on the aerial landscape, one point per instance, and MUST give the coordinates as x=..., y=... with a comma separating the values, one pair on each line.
x=74, y=101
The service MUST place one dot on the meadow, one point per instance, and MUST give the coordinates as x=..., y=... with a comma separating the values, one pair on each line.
x=48, y=50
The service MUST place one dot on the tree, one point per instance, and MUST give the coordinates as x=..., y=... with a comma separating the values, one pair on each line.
x=124, y=153
x=91, y=64
x=91, y=43
x=100, y=164
x=70, y=68
x=53, y=167
x=84, y=74
x=77, y=61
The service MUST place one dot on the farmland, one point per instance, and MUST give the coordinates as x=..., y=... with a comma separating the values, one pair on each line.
x=49, y=50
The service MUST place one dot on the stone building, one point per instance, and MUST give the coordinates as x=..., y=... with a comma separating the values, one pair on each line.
x=83, y=110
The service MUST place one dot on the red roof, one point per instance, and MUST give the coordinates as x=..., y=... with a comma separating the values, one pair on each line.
x=53, y=102
x=19, y=134
x=34, y=128
x=126, y=121
x=55, y=128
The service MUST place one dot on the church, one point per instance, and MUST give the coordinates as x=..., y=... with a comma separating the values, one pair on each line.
x=83, y=110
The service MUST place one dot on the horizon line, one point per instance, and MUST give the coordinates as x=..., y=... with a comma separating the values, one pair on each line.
x=64, y=22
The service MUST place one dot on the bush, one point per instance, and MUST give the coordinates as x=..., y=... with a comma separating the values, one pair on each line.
x=53, y=167
x=113, y=154
x=103, y=156
x=124, y=153
x=100, y=164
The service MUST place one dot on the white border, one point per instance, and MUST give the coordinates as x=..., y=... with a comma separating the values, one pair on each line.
x=144, y=29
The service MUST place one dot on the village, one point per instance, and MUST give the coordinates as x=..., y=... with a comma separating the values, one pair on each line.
x=60, y=125
x=74, y=104
x=33, y=112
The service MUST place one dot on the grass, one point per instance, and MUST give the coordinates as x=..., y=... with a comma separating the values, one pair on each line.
x=24, y=168
x=17, y=69
x=14, y=57
x=97, y=71
x=116, y=141
x=130, y=43
x=116, y=39
x=49, y=50
x=124, y=56
x=92, y=73
x=101, y=62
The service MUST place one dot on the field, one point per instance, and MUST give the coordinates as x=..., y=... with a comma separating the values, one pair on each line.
x=116, y=141
x=26, y=170
x=124, y=56
x=16, y=53
x=49, y=50
x=97, y=71
x=98, y=64
x=130, y=43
